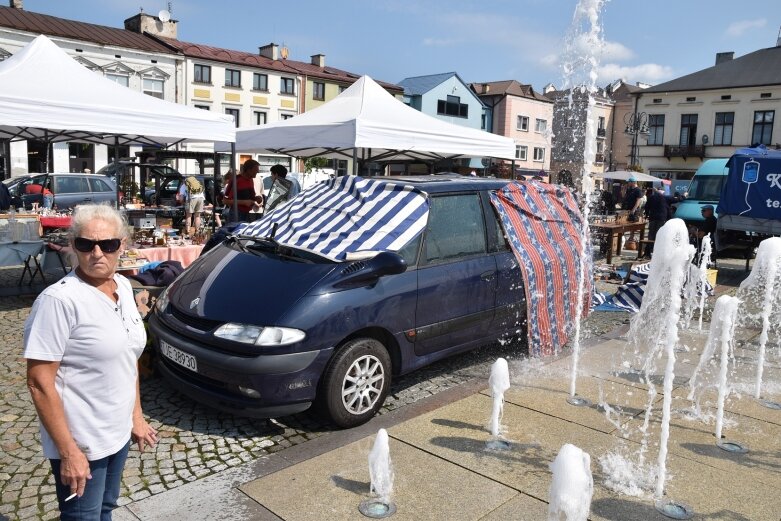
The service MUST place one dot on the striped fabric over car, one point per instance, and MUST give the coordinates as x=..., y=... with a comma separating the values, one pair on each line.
x=544, y=226
x=347, y=215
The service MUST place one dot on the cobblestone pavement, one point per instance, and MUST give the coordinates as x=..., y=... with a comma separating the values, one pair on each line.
x=195, y=442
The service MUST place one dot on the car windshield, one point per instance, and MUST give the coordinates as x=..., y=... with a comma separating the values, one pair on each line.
x=706, y=187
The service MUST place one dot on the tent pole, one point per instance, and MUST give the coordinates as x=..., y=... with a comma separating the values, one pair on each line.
x=233, y=191
x=512, y=172
x=355, y=161
x=116, y=160
x=46, y=143
x=216, y=176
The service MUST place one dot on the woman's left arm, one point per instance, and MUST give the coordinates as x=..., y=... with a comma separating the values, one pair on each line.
x=142, y=433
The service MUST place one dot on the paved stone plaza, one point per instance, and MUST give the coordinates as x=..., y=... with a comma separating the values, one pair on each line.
x=195, y=442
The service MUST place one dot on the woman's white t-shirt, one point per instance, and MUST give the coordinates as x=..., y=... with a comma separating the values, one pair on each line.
x=97, y=342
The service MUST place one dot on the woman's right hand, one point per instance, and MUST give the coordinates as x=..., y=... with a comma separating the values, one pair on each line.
x=74, y=472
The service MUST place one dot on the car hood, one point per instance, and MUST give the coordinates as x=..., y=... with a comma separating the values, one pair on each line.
x=228, y=285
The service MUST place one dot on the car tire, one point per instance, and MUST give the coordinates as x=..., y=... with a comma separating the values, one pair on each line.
x=355, y=383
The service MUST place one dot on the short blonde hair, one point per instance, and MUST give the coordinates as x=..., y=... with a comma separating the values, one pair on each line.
x=85, y=213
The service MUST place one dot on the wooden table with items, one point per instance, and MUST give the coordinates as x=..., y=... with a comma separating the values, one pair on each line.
x=617, y=229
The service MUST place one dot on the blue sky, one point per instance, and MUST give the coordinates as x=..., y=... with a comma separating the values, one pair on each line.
x=486, y=40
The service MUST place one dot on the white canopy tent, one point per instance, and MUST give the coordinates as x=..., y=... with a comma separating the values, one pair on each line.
x=365, y=122
x=45, y=94
x=624, y=175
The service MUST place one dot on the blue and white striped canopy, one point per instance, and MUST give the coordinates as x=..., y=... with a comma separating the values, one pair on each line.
x=347, y=215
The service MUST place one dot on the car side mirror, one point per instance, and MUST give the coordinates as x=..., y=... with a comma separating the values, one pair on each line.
x=368, y=271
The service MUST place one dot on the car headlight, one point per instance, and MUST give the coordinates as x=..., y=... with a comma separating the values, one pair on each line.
x=259, y=336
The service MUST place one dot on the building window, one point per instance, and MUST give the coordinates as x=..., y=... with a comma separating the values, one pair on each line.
x=726, y=97
x=482, y=121
x=202, y=107
x=452, y=106
x=521, y=152
x=656, y=129
x=318, y=90
x=722, y=135
x=342, y=88
x=203, y=73
x=522, y=123
x=286, y=116
x=122, y=79
x=657, y=100
x=287, y=86
x=539, y=154
x=601, y=123
x=232, y=78
x=260, y=118
x=763, y=127
x=766, y=95
x=691, y=98
x=540, y=125
x=235, y=114
x=688, y=135
x=153, y=87
x=260, y=82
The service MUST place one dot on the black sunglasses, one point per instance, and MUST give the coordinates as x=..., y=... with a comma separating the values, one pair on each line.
x=87, y=245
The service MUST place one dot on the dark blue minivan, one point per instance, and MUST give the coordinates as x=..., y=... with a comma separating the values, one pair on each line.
x=262, y=329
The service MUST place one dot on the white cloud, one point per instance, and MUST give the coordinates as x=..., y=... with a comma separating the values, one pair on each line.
x=741, y=26
x=652, y=73
x=616, y=52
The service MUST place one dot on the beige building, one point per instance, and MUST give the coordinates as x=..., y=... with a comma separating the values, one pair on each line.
x=573, y=124
x=711, y=113
x=526, y=116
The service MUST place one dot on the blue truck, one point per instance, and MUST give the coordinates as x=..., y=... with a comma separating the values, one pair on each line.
x=749, y=207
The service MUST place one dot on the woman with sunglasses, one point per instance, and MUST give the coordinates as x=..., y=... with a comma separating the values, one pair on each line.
x=82, y=341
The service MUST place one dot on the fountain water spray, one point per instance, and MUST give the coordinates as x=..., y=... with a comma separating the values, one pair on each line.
x=381, y=475
x=764, y=278
x=721, y=331
x=655, y=328
x=730, y=305
x=572, y=485
x=499, y=382
x=705, y=258
x=580, y=65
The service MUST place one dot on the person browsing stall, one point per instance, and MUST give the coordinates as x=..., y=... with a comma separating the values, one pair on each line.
x=632, y=199
x=82, y=342
x=706, y=227
x=192, y=194
x=245, y=190
x=282, y=189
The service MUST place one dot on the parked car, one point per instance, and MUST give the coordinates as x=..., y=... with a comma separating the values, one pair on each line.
x=69, y=189
x=262, y=330
x=130, y=172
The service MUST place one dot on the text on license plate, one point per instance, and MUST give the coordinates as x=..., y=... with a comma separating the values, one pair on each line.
x=180, y=357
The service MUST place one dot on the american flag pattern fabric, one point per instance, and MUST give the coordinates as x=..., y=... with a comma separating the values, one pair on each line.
x=347, y=214
x=545, y=229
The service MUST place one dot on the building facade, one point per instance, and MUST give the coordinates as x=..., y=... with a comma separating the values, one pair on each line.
x=123, y=56
x=573, y=125
x=710, y=113
x=525, y=116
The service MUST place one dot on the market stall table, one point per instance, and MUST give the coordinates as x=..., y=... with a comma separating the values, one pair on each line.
x=186, y=255
x=617, y=229
x=55, y=222
x=22, y=253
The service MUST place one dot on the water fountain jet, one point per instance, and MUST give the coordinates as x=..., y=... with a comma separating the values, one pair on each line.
x=499, y=382
x=381, y=476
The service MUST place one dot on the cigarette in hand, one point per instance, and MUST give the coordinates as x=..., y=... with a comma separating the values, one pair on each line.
x=71, y=496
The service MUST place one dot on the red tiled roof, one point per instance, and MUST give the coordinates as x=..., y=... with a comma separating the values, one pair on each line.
x=507, y=87
x=53, y=26
x=206, y=52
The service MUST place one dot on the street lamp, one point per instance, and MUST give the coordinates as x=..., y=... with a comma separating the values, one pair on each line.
x=636, y=124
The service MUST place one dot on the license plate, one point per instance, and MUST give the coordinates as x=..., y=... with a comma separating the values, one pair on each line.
x=177, y=355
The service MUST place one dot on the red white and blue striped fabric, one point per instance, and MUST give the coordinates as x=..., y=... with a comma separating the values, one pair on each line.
x=347, y=215
x=545, y=229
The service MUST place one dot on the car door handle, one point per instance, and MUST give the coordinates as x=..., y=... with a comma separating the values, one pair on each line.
x=487, y=276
